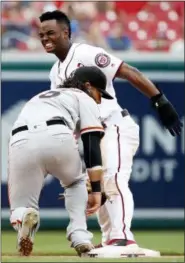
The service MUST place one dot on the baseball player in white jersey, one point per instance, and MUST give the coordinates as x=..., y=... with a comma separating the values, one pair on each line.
x=43, y=142
x=121, y=138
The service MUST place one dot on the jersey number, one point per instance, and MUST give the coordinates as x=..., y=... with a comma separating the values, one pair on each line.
x=49, y=94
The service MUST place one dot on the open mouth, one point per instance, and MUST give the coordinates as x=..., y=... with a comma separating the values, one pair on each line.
x=49, y=46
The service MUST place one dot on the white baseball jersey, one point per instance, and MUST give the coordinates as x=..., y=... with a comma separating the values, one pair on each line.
x=121, y=140
x=74, y=105
x=87, y=55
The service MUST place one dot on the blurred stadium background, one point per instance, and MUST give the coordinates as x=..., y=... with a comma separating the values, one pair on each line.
x=148, y=35
x=143, y=25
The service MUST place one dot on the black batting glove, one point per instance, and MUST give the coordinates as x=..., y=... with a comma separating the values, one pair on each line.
x=167, y=114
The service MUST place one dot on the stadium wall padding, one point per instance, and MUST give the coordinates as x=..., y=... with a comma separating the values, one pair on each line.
x=157, y=180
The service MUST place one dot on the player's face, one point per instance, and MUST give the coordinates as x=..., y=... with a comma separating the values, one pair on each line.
x=53, y=35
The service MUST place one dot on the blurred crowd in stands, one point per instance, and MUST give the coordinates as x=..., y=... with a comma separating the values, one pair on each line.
x=122, y=26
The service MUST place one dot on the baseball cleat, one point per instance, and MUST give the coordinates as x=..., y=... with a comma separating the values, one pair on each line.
x=26, y=231
x=116, y=242
x=83, y=248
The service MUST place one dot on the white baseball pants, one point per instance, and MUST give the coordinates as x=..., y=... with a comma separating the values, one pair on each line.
x=119, y=146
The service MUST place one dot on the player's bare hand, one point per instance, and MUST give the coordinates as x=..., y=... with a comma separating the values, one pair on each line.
x=94, y=203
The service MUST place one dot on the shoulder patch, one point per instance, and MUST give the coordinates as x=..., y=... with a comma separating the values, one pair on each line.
x=102, y=60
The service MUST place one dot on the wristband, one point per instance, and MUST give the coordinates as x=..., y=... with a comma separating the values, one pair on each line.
x=155, y=98
x=96, y=186
x=159, y=100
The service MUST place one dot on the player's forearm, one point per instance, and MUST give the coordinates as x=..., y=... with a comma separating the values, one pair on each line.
x=93, y=159
x=138, y=80
x=95, y=175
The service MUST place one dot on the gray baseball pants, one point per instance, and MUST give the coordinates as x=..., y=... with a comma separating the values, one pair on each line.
x=43, y=150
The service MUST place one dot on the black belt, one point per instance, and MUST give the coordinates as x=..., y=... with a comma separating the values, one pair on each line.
x=50, y=122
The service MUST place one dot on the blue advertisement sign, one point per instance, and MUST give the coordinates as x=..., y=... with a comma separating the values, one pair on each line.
x=158, y=173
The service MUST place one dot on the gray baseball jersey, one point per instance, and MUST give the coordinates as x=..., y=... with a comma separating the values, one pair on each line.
x=73, y=105
x=43, y=149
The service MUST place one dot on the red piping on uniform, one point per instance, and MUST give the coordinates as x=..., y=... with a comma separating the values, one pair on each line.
x=71, y=58
x=118, y=69
x=96, y=128
x=116, y=180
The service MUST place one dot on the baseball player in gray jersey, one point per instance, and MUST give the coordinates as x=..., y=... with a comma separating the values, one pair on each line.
x=43, y=142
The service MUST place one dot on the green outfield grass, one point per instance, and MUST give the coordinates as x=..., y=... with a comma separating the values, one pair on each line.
x=53, y=247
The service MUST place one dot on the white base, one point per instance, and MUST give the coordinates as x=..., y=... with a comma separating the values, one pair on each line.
x=121, y=252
